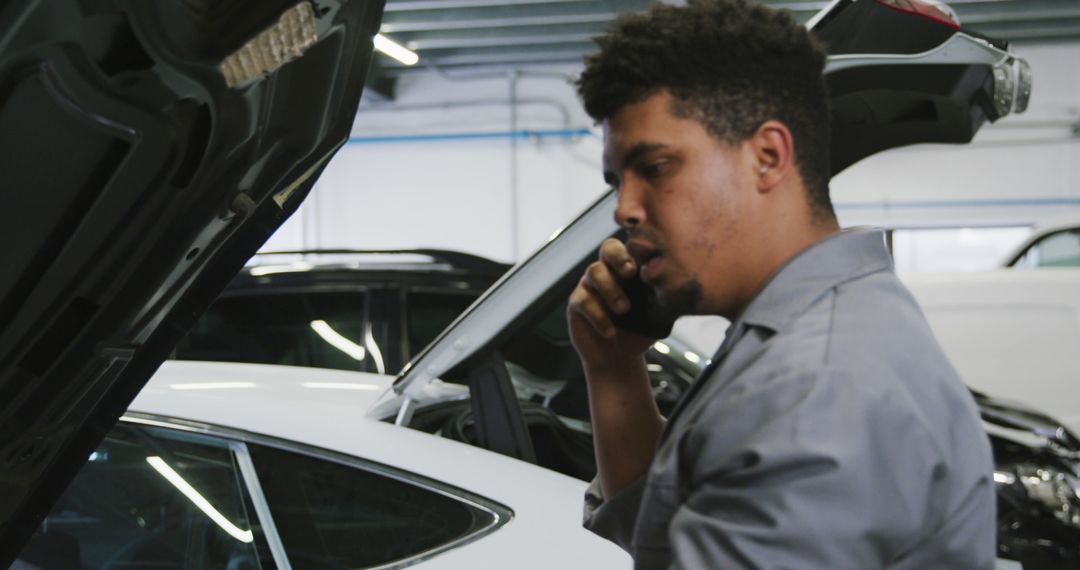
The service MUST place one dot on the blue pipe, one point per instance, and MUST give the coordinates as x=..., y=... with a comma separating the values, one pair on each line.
x=579, y=133
x=521, y=134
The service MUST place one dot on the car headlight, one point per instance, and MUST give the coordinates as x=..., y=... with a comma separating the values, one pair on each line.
x=1052, y=488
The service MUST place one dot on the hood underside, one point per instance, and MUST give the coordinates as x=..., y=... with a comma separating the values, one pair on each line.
x=148, y=149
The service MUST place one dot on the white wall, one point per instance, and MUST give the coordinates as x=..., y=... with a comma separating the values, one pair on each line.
x=404, y=191
x=391, y=186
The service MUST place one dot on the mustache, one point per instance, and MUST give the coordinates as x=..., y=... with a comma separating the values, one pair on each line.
x=624, y=235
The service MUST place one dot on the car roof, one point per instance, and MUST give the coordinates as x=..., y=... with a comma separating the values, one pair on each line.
x=340, y=268
x=299, y=261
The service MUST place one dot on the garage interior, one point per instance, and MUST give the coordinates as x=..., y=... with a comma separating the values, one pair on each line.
x=394, y=361
x=487, y=127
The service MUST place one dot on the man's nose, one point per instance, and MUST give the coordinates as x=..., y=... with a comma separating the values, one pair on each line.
x=628, y=210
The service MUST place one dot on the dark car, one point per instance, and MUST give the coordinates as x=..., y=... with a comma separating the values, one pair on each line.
x=375, y=310
x=389, y=303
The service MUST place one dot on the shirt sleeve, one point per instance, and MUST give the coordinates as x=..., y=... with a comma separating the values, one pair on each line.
x=614, y=518
x=801, y=473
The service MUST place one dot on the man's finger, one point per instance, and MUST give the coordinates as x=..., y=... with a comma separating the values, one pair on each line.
x=614, y=254
x=599, y=280
x=585, y=304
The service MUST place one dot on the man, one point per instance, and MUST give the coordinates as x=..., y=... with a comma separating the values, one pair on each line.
x=829, y=431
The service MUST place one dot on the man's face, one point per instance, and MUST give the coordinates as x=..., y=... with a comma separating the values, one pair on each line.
x=688, y=201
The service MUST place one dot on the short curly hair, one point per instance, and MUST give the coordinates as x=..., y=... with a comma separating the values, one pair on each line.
x=729, y=64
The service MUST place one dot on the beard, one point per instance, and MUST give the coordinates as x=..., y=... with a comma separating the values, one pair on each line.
x=683, y=300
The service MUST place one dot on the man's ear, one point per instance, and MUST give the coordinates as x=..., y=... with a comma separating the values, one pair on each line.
x=773, y=154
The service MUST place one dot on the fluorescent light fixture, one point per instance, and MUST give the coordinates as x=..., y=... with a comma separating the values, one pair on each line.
x=661, y=347
x=1004, y=478
x=692, y=357
x=395, y=50
x=338, y=386
x=323, y=329
x=213, y=386
x=198, y=500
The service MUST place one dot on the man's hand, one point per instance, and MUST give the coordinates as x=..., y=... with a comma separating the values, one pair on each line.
x=597, y=296
x=626, y=421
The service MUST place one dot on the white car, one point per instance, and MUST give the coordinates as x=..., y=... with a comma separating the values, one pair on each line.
x=1012, y=334
x=222, y=465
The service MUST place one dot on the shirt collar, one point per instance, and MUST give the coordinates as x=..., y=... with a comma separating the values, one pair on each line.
x=827, y=263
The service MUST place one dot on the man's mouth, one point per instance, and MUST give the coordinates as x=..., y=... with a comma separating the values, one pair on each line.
x=648, y=258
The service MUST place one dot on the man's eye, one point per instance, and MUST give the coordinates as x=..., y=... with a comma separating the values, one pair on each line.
x=652, y=170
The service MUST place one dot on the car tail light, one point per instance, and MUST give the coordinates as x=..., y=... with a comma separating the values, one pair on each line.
x=932, y=9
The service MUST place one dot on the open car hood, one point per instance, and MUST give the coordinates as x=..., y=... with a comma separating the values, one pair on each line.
x=148, y=149
x=895, y=79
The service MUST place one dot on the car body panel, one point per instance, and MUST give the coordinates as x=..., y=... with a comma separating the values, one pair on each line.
x=1014, y=335
x=1011, y=334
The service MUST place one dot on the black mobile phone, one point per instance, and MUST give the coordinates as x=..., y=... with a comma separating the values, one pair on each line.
x=646, y=316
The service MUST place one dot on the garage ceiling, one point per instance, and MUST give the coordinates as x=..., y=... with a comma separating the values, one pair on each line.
x=466, y=33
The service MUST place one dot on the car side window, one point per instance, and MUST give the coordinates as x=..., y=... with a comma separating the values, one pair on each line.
x=322, y=329
x=1061, y=249
x=332, y=515
x=152, y=498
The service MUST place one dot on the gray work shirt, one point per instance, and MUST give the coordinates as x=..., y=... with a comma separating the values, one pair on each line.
x=830, y=431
